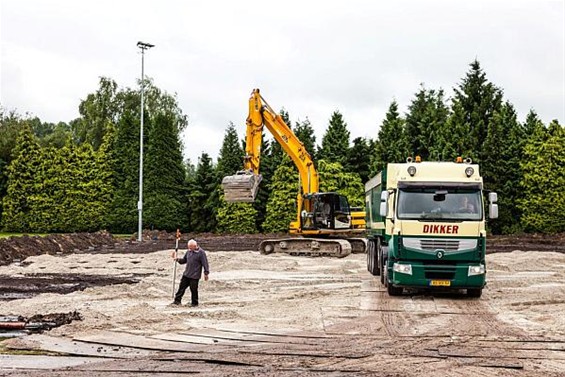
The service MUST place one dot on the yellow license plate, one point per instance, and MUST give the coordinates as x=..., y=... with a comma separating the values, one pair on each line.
x=440, y=283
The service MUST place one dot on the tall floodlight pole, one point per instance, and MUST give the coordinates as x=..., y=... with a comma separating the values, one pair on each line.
x=143, y=46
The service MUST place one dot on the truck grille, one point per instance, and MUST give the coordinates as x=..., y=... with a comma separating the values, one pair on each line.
x=432, y=244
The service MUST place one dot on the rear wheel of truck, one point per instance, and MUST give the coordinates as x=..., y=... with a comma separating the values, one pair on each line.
x=369, y=257
x=475, y=292
x=382, y=262
x=372, y=260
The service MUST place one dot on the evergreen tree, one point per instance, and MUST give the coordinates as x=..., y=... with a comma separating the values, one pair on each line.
x=276, y=152
x=281, y=206
x=502, y=171
x=203, y=204
x=165, y=207
x=335, y=142
x=543, y=202
x=359, y=160
x=105, y=175
x=533, y=124
x=189, y=183
x=457, y=136
x=305, y=133
x=123, y=216
x=392, y=143
x=267, y=171
x=230, y=159
x=425, y=122
x=333, y=178
x=11, y=126
x=81, y=208
x=236, y=218
x=476, y=99
x=24, y=183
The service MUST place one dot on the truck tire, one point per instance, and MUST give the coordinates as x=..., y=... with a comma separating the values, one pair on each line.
x=369, y=258
x=391, y=289
x=372, y=262
x=394, y=291
x=382, y=262
x=377, y=257
x=475, y=292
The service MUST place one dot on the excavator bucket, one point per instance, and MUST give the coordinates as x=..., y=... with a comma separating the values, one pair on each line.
x=241, y=187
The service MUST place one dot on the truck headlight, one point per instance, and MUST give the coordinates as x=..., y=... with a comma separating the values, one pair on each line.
x=476, y=270
x=402, y=268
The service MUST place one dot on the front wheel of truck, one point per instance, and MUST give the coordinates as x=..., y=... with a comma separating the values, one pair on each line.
x=475, y=292
x=393, y=291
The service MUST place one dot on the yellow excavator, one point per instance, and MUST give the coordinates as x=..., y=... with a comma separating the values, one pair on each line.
x=324, y=220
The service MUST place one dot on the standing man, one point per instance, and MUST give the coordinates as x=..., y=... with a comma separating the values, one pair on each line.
x=195, y=260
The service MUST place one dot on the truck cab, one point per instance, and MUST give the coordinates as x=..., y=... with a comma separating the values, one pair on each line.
x=426, y=226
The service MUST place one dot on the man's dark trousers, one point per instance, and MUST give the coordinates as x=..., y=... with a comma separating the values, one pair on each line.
x=185, y=283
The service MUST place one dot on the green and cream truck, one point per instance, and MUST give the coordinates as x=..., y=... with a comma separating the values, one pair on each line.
x=426, y=226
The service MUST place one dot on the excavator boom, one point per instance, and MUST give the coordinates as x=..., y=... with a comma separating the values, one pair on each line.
x=243, y=186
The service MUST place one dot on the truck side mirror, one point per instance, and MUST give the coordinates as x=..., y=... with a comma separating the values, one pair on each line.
x=492, y=197
x=383, y=210
x=493, y=211
x=492, y=207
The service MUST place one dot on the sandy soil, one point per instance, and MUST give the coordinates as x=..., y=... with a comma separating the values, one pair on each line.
x=525, y=297
x=246, y=289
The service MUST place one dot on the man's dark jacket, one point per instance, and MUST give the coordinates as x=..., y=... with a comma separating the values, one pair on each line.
x=195, y=261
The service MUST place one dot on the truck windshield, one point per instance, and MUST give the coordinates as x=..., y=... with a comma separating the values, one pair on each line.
x=434, y=204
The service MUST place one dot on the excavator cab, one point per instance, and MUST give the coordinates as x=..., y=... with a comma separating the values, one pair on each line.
x=241, y=187
x=329, y=211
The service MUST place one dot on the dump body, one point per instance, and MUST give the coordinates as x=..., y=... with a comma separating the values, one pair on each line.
x=426, y=227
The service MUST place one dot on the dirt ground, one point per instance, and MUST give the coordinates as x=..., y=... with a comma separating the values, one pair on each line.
x=322, y=315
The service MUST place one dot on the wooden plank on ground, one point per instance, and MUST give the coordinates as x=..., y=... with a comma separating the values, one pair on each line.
x=220, y=336
x=190, y=338
x=72, y=347
x=138, y=341
x=43, y=362
x=290, y=332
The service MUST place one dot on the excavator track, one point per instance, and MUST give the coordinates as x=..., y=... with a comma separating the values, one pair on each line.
x=358, y=245
x=313, y=247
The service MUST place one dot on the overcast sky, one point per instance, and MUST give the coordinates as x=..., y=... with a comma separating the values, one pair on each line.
x=310, y=57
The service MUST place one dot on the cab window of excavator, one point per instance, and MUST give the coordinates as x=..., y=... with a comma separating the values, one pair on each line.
x=342, y=205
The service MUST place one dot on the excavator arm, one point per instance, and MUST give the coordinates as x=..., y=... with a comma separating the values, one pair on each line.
x=243, y=186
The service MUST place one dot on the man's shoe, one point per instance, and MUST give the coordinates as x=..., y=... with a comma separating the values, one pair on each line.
x=193, y=305
x=175, y=303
